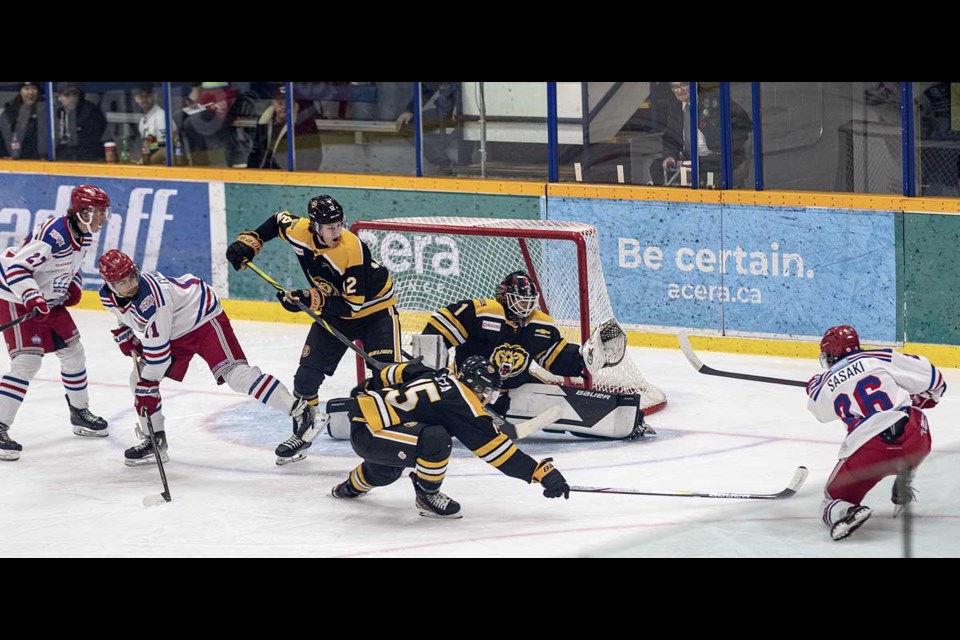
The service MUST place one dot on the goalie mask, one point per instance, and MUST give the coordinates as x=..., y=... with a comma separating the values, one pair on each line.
x=837, y=343
x=481, y=377
x=518, y=295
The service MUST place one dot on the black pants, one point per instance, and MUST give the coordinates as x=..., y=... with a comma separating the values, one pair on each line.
x=426, y=447
x=322, y=352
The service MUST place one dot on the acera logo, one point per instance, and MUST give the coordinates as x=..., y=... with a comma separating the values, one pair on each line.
x=401, y=252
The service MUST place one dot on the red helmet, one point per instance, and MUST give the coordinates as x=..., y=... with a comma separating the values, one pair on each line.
x=838, y=342
x=115, y=265
x=87, y=196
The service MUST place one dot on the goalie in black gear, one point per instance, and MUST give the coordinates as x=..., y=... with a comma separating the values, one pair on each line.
x=349, y=290
x=512, y=333
x=406, y=416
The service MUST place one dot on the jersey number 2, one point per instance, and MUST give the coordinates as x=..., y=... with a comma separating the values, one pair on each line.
x=869, y=400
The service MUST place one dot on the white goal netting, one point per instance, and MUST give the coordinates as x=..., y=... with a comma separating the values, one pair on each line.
x=437, y=261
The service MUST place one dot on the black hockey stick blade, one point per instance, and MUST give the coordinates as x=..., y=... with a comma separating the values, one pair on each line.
x=154, y=500
x=799, y=476
x=697, y=363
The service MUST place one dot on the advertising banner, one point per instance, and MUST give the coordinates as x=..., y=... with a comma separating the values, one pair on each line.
x=747, y=270
x=162, y=225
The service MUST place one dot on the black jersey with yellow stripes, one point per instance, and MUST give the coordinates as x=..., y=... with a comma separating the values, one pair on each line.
x=347, y=271
x=480, y=327
x=416, y=394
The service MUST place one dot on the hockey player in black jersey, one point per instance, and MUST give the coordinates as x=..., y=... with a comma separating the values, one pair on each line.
x=347, y=288
x=406, y=417
x=511, y=332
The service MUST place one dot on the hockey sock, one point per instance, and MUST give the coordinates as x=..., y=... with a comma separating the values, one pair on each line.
x=73, y=372
x=13, y=386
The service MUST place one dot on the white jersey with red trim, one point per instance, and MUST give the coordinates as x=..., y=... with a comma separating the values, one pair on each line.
x=870, y=391
x=163, y=310
x=48, y=260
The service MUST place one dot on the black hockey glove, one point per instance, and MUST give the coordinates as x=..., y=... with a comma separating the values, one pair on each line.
x=246, y=247
x=553, y=482
x=312, y=299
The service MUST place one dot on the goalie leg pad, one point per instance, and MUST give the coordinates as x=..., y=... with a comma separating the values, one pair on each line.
x=586, y=412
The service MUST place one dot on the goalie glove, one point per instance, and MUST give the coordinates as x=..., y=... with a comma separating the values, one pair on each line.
x=605, y=348
x=246, y=247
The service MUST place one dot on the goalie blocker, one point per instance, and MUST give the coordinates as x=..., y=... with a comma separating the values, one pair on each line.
x=584, y=412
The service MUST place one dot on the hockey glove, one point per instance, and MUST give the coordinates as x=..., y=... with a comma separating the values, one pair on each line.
x=147, y=394
x=924, y=400
x=73, y=295
x=127, y=342
x=312, y=299
x=33, y=299
x=246, y=247
x=554, y=484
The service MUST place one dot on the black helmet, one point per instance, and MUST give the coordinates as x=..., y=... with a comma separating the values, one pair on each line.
x=518, y=295
x=323, y=209
x=481, y=377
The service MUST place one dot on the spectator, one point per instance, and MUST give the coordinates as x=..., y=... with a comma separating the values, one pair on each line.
x=80, y=125
x=23, y=125
x=153, y=124
x=270, y=139
x=941, y=133
x=206, y=126
x=441, y=110
x=676, y=145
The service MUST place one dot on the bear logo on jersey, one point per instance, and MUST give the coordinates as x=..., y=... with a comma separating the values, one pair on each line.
x=325, y=287
x=510, y=359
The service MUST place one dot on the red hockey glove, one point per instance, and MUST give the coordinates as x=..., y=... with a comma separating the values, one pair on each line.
x=33, y=299
x=127, y=341
x=147, y=394
x=73, y=295
x=924, y=400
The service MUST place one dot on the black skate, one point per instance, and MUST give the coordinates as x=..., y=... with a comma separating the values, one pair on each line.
x=345, y=490
x=85, y=423
x=307, y=423
x=9, y=449
x=143, y=453
x=436, y=504
x=856, y=516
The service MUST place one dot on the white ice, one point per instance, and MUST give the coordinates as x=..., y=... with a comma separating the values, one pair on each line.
x=69, y=496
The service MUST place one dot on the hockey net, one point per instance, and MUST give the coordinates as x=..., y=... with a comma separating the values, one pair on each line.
x=437, y=261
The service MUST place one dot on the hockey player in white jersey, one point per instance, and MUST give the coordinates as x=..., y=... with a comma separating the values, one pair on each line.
x=879, y=395
x=39, y=279
x=177, y=318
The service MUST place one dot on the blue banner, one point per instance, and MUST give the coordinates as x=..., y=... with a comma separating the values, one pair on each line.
x=162, y=225
x=747, y=269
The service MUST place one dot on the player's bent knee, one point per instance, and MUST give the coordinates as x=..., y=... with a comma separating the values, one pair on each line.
x=434, y=442
x=241, y=377
x=25, y=365
x=380, y=475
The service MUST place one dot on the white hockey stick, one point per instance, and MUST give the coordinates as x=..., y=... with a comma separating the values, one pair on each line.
x=526, y=428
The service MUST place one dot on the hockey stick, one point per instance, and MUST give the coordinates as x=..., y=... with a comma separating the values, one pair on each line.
x=799, y=476
x=693, y=359
x=32, y=314
x=159, y=498
x=526, y=428
x=530, y=426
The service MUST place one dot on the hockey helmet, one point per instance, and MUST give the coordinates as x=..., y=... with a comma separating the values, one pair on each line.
x=481, y=377
x=86, y=196
x=115, y=266
x=518, y=295
x=837, y=343
x=323, y=209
